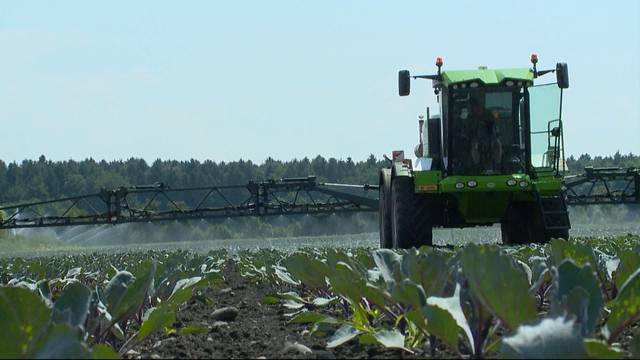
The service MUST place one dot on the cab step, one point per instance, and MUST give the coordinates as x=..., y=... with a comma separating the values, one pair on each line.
x=554, y=212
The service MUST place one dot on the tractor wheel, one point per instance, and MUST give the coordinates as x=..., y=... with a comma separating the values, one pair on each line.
x=423, y=221
x=515, y=228
x=402, y=212
x=536, y=228
x=386, y=239
x=558, y=234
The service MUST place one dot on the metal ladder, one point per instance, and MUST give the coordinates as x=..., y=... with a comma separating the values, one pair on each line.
x=554, y=212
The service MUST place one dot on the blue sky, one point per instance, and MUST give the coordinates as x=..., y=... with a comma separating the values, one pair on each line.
x=289, y=79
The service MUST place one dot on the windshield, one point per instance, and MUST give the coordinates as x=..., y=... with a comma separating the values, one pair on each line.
x=486, y=132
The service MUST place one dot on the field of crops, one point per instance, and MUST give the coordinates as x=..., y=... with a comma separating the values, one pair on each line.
x=570, y=299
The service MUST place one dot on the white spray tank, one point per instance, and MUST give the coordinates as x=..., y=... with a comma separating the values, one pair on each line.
x=423, y=162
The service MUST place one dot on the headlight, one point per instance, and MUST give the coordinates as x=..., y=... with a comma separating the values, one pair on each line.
x=512, y=182
x=472, y=183
x=524, y=184
x=459, y=185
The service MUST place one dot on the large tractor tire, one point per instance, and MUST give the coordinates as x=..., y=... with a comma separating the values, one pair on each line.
x=411, y=221
x=402, y=212
x=423, y=220
x=536, y=228
x=515, y=227
x=384, y=213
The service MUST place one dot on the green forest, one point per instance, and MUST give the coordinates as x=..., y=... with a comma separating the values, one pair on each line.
x=43, y=179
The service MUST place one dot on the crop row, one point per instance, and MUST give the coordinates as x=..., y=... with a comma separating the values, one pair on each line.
x=97, y=306
x=565, y=299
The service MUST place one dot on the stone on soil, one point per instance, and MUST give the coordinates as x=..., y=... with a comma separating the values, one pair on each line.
x=229, y=313
x=296, y=348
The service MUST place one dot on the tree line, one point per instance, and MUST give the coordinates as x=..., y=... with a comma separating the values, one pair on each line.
x=45, y=179
x=576, y=165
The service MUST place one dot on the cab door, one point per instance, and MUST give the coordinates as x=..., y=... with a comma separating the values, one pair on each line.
x=545, y=105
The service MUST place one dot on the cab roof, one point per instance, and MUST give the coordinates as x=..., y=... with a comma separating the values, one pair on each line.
x=486, y=76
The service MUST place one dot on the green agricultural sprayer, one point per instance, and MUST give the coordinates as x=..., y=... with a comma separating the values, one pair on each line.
x=494, y=154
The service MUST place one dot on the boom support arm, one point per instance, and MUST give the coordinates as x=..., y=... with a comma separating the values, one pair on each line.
x=158, y=202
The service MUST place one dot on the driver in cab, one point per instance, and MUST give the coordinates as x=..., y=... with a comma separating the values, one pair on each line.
x=482, y=132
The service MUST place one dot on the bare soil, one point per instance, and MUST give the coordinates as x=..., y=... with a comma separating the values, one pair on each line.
x=258, y=331
x=262, y=331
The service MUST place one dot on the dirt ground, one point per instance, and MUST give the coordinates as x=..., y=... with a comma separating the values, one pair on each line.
x=258, y=331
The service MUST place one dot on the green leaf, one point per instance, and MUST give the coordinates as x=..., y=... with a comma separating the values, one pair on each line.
x=308, y=270
x=116, y=288
x=527, y=271
x=44, y=289
x=285, y=277
x=104, y=351
x=321, y=328
x=548, y=338
x=409, y=294
x=183, y=290
x=23, y=316
x=452, y=306
x=72, y=273
x=291, y=304
x=388, y=261
x=342, y=335
x=426, y=269
x=368, y=339
x=310, y=317
x=270, y=300
x=185, y=283
x=135, y=294
x=625, y=308
x=374, y=295
x=581, y=254
x=390, y=338
x=193, y=329
x=499, y=283
x=441, y=324
x=117, y=332
x=597, y=349
x=417, y=318
x=347, y=283
x=291, y=295
x=629, y=263
x=321, y=301
x=73, y=305
x=161, y=317
x=586, y=303
x=60, y=342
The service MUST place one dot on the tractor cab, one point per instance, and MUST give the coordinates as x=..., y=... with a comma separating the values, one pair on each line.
x=486, y=128
x=493, y=154
x=494, y=121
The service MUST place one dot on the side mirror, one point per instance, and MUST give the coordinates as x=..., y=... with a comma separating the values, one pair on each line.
x=562, y=75
x=404, y=83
